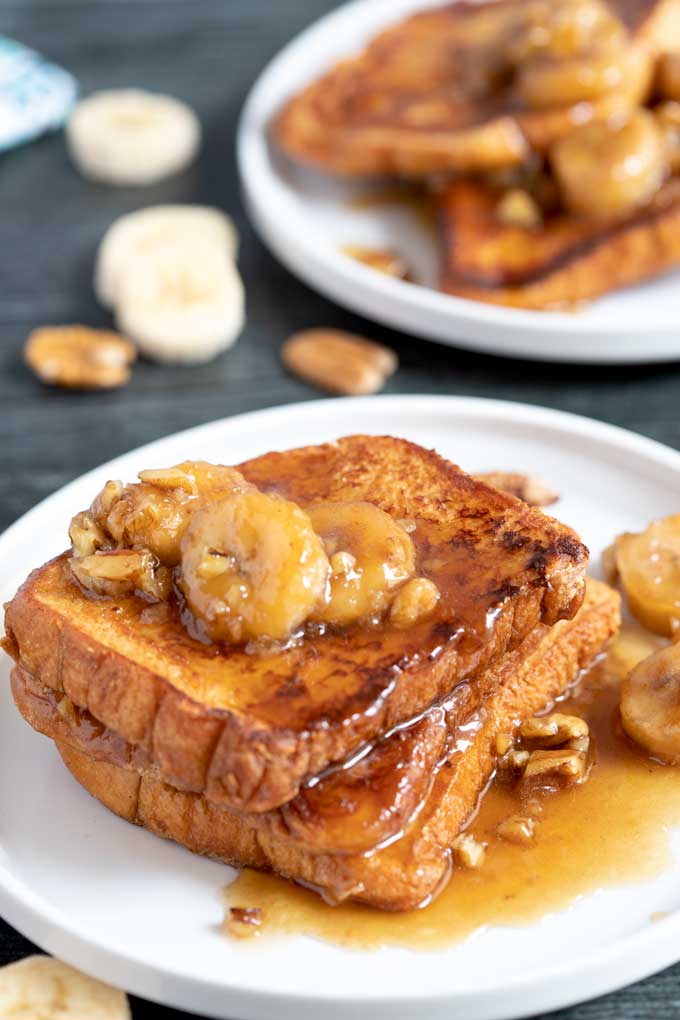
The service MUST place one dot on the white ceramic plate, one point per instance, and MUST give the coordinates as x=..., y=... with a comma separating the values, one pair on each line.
x=144, y=914
x=305, y=218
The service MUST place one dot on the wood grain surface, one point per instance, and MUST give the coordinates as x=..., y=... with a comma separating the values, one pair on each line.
x=209, y=52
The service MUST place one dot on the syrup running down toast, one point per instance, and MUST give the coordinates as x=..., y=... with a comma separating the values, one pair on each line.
x=380, y=830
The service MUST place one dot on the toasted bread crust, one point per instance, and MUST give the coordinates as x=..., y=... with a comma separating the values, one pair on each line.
x=395, y=108
x=350, y=808
x=248, y=734
x=400, y=876
x=562, y=263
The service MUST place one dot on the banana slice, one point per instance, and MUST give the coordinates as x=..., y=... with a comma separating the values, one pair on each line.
x=252, y=567
x=181, y=304
x=648, y=565
x=129, y=136
x=370, y=555
x=607, y=168
x=650, y=704
x=148, y=230
x=41, y=988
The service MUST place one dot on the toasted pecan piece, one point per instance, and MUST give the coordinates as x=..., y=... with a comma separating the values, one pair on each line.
x=78, y=357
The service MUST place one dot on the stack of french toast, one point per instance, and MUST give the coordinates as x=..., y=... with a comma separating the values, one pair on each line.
x=312, y=663
x=547, y=131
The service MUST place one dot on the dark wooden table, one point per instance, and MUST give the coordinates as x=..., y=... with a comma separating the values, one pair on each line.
x=209, y=52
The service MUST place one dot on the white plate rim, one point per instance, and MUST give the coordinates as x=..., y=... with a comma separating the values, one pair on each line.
x=643, y=952
x=277, y=218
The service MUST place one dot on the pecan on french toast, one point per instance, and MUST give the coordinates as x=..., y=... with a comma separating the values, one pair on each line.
x=380, y=830
x=470, y=86
x=247, y=729
x=561, y=261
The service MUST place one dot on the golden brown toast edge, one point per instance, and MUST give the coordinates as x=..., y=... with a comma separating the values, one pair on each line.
x=563, y=262
x=310, y=127
x=350, y=808
x=404, y=874
x=94, y=653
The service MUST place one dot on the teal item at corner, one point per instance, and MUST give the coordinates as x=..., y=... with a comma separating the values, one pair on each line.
x=35, y=95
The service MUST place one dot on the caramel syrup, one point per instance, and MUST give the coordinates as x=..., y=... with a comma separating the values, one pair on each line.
x=415, y=197
x=611, y=830
x=383, y=260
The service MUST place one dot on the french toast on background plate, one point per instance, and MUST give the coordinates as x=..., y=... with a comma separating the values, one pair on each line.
x=564, y=262
x=435, y=92
x=548, y=132
x=303, y=663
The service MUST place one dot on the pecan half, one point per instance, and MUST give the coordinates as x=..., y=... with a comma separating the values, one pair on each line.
x=339, y=362
x=529, y=488
x=77, y=357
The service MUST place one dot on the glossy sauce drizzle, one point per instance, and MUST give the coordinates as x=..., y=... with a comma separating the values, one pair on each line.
x=612, y=830
x=414, y=197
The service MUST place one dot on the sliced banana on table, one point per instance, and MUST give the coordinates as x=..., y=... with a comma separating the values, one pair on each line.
x=130, y=136
x=41, y=988
x=147, y=230
x=181, y=305
x=169, y=272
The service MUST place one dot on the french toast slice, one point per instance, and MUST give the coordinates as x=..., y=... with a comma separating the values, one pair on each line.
x=564, y=261
x=249, y=729
x=352, y=807
x=432, y=95
x=412, y=867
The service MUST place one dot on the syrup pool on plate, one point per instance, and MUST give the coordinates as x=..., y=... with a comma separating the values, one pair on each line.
x=611, y=830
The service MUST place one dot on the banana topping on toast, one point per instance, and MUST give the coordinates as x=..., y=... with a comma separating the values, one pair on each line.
x=251, y=566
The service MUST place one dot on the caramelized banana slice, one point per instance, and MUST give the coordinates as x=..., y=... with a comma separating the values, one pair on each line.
x=545, y=83
x=650, y=704
x=252, y=567
x=154, y=513
x=606, y=168
x=569, y=52
x=649, y=567
x=380, y=557
x=565, y=28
